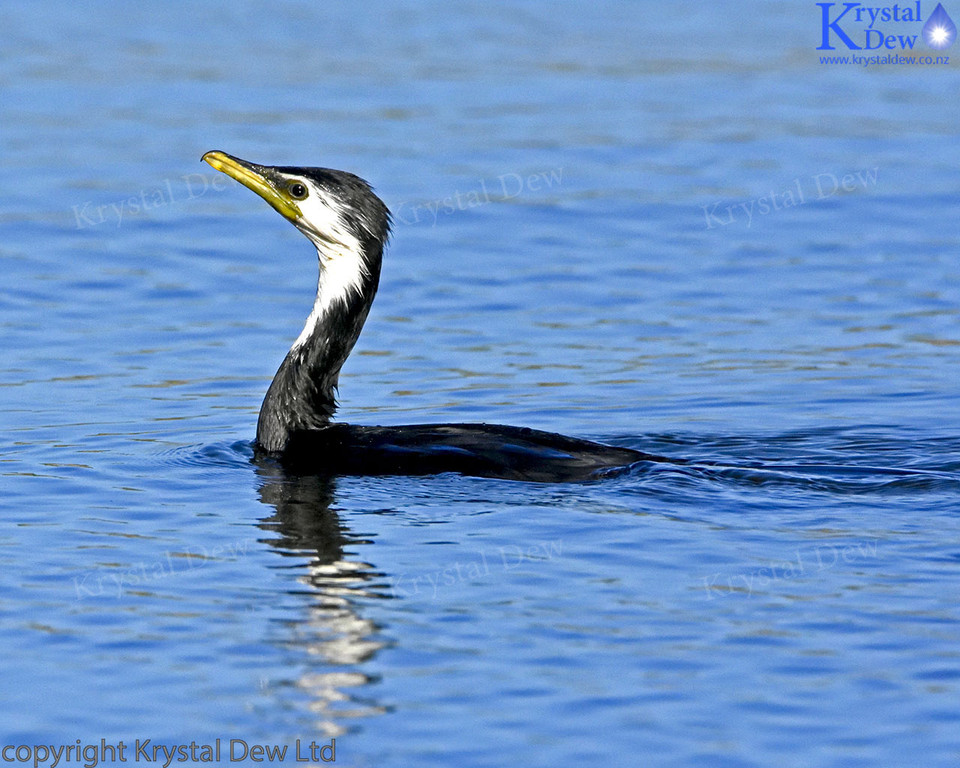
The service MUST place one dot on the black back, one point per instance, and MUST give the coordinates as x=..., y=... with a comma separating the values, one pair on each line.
x=480, y=450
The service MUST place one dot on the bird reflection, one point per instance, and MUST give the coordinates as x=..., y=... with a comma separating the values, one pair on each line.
x=333, y=633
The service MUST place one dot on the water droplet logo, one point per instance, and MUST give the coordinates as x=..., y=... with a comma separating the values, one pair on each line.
x=939, y=32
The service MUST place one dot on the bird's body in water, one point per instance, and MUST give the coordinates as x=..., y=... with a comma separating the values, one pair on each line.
x=349, y=226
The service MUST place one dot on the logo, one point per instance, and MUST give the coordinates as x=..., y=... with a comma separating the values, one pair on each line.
x=859, y=27
x=939, y=32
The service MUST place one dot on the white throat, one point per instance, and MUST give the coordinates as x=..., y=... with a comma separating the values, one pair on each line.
x=340, y=256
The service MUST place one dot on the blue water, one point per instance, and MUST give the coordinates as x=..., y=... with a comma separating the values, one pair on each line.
x=664, y=226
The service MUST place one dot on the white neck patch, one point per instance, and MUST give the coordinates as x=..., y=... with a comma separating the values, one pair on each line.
x=342, y=266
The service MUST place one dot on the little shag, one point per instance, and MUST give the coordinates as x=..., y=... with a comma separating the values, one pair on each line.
x=349, y=226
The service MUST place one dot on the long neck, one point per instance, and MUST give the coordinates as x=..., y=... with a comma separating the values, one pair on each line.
x=302, y=395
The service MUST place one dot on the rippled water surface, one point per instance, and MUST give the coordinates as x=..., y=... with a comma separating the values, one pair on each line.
x=666, y=227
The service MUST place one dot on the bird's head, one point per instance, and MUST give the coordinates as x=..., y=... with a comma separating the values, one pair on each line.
x=337, y=211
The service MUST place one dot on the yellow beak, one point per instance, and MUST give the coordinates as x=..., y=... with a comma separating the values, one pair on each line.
x=254, y=177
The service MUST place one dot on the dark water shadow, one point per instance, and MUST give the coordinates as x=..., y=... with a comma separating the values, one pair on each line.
x=834, y=461
x=831, y=479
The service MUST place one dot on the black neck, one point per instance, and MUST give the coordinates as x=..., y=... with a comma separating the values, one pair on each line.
x=302, y=395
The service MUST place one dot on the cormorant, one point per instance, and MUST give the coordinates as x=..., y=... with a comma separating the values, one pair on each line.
x=349, y=226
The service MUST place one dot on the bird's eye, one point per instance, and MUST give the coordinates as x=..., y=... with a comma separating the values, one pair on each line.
x=297, y=191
